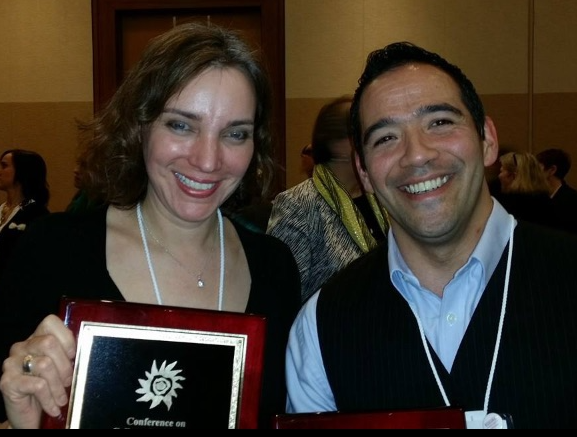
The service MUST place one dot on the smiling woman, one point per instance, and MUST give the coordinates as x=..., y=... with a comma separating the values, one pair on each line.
x=185, y=135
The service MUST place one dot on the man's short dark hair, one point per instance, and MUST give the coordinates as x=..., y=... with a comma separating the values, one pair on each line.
x=558, y=158
x=402, y=53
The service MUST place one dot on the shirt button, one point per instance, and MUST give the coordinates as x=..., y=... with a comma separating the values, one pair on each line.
x=451, y=319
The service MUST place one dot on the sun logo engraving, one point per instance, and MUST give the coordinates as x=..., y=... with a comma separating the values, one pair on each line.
x=160, y=385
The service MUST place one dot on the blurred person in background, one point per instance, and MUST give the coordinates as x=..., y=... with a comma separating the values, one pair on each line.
x=524, y=190
x=307, y=161
x=23, y=177
x=80, y=201
x=328, y=220
x=556, y=163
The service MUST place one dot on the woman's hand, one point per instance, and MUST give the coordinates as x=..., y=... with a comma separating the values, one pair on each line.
x=37, y=372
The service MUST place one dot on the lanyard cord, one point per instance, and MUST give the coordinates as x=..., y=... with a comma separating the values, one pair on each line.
x=151, y=268
x=497, y=341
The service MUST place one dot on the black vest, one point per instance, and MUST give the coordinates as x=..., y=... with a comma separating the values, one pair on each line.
x=374, y=357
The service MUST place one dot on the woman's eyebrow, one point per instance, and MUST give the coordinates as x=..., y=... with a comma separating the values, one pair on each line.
x=186, y=114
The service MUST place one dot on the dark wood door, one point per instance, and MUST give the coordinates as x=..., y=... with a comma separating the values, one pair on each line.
x=121, y=29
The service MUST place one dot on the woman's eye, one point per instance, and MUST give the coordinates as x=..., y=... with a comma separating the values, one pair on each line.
x=239, y=135
x=178, y=125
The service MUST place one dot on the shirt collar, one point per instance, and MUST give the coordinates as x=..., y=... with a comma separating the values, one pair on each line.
x=488, y=251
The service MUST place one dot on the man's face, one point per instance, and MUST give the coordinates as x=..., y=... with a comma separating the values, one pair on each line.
x=425, y=160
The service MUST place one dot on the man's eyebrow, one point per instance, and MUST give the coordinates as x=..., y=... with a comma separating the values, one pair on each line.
x=440, y=107
x=383, y=122
x=423, y=110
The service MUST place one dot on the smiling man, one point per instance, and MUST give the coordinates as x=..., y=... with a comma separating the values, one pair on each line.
x=456, y=309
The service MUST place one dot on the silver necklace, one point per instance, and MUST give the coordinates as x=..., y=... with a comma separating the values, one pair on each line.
x=198, y=276
x=151, y=267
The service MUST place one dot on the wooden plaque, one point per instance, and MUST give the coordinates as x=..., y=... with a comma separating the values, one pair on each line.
x=158, y=367
x=434, y=418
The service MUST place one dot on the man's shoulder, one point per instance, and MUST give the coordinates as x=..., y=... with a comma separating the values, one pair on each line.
x=545, y=238
x=369, y=268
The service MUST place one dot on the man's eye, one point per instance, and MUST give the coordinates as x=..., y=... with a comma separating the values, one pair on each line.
x=382, y=140
x=442, y=122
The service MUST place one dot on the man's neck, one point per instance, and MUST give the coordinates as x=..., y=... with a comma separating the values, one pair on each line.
x=554, y=186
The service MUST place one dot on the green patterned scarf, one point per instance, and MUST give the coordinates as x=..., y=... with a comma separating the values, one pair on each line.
x=343, y=205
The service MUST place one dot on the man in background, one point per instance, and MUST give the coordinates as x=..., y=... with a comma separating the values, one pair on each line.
x=556, y=163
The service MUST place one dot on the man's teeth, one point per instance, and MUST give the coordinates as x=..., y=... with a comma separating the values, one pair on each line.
x=192, y=184
x=423, y=187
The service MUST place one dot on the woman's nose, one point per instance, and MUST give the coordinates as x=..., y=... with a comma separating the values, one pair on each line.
x=205, y=154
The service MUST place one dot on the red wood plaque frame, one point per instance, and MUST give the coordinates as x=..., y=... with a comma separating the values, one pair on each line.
x=435, y=418
x=150, y=366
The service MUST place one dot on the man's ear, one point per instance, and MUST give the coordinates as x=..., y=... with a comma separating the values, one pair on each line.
x=363, y=175
x=490, y=143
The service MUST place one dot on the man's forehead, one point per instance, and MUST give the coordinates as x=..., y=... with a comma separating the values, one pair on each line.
x=407, y=88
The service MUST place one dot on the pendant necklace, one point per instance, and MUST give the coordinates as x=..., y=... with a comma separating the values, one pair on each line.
x=200, y=282
x=198, y=277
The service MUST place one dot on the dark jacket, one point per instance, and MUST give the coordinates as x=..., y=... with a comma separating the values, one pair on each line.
x=12, y=231
x=565, y=201
x=534, y=208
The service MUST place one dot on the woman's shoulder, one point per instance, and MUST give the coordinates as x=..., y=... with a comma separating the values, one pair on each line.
x=254, y=241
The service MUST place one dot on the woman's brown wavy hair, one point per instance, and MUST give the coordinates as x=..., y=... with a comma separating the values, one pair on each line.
x=112, y=149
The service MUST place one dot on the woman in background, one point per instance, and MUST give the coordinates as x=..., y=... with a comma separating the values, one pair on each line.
x=524, y=190
x=328, y=220
x=23, y=178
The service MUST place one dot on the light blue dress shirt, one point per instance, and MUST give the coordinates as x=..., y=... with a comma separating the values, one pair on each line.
x=444, y=320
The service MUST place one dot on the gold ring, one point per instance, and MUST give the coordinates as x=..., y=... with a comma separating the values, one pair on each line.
x=27, y=365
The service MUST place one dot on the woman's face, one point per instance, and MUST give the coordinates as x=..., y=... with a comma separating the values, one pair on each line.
x=7, y=172
x=200, y=147
x=506, y=178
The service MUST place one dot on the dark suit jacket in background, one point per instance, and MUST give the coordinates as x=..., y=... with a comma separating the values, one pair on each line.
x=565, y=201
x=9, y=237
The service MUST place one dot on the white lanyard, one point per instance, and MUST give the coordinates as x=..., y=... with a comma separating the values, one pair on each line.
x=497, y=341
x=151, y=268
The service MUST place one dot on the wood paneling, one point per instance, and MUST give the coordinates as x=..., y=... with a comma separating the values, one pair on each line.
x=121, y=28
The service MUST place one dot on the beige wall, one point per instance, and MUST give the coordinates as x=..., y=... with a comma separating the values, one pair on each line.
x=519, y=53
x=46, y=83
